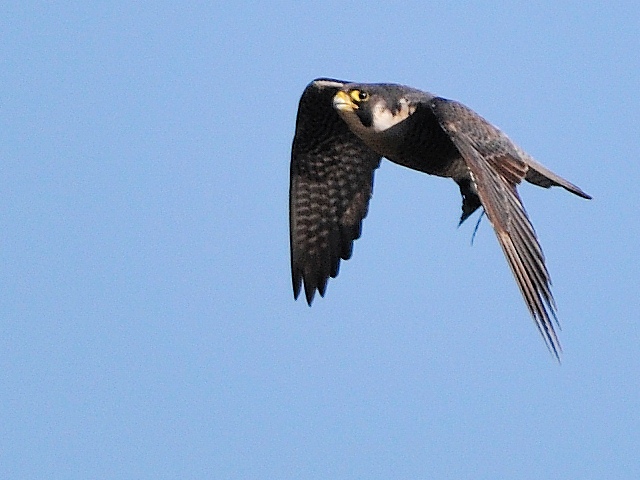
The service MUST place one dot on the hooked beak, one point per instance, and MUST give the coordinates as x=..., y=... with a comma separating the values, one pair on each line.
x=342, y=102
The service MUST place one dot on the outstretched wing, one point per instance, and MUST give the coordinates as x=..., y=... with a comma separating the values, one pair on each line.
x=496, y=169
x=331, y=182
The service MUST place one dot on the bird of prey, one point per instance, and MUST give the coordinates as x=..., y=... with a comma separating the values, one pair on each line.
x=343, y=130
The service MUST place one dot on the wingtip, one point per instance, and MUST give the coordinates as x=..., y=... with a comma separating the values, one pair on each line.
x=297, y=284
x=309, y=293
x=548, y=332
x=556, y=350
x=309, y=298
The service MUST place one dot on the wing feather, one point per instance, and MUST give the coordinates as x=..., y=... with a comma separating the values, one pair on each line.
x=331, y=182
x=496, y=169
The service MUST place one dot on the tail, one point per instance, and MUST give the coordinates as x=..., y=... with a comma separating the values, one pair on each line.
x=543, y=177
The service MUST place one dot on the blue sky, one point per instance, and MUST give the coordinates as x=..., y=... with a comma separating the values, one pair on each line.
x=147, y=324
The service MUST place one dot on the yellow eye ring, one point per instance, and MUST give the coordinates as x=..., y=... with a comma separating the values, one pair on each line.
x=359, y=95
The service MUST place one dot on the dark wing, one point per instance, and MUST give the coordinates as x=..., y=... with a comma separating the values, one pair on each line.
x=330, y=186
x=496, y=169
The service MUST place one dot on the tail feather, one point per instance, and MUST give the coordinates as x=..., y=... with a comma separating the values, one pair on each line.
x=543, y=177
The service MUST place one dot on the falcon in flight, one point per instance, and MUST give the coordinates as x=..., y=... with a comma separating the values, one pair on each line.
x=342, y=132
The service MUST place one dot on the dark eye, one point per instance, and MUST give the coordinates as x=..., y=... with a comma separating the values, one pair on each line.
x=358, y=95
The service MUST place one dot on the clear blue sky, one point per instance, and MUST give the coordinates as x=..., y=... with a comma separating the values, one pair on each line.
x=147, y=324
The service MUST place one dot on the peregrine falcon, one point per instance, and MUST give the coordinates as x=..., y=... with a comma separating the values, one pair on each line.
x=344, y=129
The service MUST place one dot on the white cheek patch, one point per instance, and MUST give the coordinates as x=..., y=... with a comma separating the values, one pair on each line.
x=384, y=119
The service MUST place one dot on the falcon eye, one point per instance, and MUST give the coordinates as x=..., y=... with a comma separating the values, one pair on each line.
x=359, y=96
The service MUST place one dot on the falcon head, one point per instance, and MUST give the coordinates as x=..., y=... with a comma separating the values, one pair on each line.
x=373, y=108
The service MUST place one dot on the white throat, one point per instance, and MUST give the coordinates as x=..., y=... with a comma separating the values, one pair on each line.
x=384, y=119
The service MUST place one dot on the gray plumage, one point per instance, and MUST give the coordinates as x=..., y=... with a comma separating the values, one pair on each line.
x=343, y=130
